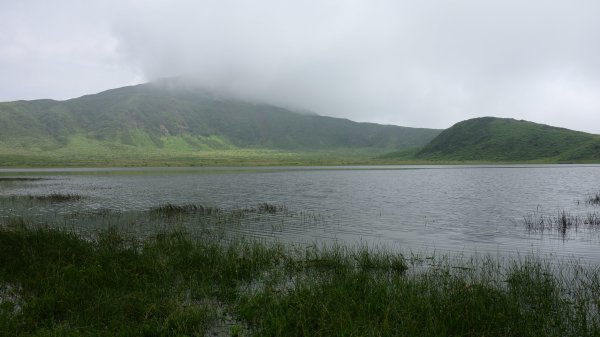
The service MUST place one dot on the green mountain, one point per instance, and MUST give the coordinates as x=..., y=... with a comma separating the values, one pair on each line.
x=504, y=139
x=171, y=117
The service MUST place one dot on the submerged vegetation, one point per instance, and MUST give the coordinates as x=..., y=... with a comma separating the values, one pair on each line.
x=594, y=199
x=562, y=222
x=53, y=197
x=54, y=282
x=172, y=209
x=11, y=179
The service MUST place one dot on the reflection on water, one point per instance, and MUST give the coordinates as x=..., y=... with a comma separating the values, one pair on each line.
x=419, y=208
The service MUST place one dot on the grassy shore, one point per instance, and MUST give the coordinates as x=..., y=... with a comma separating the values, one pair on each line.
x=155, y=158
x=57, y=283
x=236, y=157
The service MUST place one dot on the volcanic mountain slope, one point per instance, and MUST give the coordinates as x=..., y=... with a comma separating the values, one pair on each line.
x=176, y=116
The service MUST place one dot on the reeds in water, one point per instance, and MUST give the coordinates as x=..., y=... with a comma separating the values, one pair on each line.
x=592, y=219
x=264, y=207
x=261, y=208
x=19, y=179
x=174, y=209
x=593, y=199
x=53, y=197
x=562, y=222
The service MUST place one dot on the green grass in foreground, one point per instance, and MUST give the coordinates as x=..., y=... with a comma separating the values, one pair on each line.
x=54, y=283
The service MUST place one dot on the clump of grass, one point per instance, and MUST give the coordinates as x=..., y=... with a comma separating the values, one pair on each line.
x=565, y=221
x=53, y=197
x=593, y=199
x=173, y=209
x=561, y=223
x=592, y=219
x=19, y=179
x=341, y=258
x=270, y=208
x=261, y=208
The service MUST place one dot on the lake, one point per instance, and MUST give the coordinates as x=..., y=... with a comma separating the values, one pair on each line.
x=422, y=209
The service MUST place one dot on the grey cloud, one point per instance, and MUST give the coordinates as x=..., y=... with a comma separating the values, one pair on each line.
x=58, y=50
x=427, y=63
x=419, y=63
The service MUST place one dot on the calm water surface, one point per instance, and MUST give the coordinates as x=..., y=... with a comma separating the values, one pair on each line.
x=456, y=209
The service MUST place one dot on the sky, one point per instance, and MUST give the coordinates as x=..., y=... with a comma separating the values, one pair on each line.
x=418, y=63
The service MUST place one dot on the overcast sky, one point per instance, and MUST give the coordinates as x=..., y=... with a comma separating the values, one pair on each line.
x=421, y=63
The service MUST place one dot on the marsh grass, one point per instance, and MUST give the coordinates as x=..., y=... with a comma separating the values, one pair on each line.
x=217, y=222
x=593, y=199
x=57, y=283
x=174, y=209
x=522, y=298
x=265, y=207
x=69, y=211
x=17, y=179
x=53, y=197
x=561, y=223
x=592, y=219
x=274, y=216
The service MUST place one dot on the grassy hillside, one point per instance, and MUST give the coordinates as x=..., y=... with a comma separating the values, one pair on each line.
x=503, y=139
x=171, y=117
